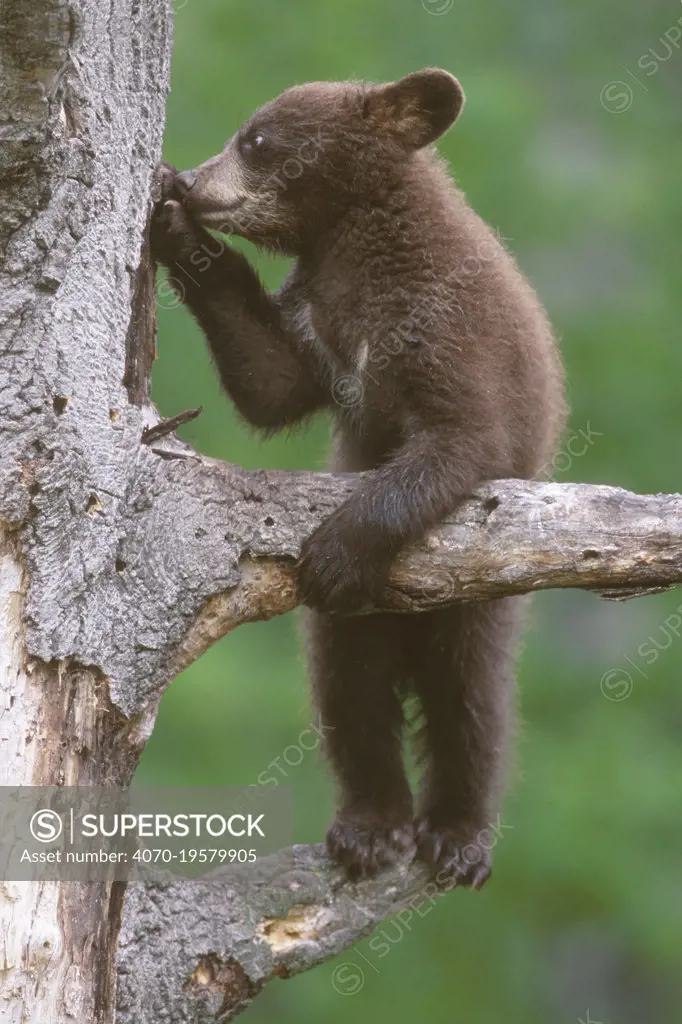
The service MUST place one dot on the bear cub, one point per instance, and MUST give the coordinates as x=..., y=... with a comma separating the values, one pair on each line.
x=406, y=317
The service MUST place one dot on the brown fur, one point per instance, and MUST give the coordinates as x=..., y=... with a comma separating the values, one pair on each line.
x=406, y=316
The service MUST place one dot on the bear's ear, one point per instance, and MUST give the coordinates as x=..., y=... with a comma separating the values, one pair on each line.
x=417, y=108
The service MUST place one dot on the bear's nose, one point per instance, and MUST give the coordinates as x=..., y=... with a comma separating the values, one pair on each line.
x=186, y=181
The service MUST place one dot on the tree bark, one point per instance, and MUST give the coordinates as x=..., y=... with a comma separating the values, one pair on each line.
x=124, y=554
x=82, y=99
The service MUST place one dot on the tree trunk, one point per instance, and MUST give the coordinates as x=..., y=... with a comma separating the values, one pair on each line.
x=82, y=101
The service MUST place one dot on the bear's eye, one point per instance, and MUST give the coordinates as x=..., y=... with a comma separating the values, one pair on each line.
x=251, y=143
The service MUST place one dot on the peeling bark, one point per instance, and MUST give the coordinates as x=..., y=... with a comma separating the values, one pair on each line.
x=82, y=96
x=57, y=727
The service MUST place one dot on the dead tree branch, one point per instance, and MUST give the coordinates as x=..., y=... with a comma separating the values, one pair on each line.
x=206, y=949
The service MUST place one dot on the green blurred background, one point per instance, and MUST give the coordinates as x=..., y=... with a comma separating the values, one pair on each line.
x=582, y=176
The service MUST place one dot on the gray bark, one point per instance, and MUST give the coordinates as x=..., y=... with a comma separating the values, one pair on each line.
x=199, y=952
x=124, y=554
x=82, y=99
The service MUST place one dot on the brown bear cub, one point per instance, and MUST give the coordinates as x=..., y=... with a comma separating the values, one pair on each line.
x=406, y=317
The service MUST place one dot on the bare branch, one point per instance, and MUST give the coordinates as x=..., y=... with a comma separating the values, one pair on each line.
x=236, y=536
x=196, y=547
x=204, y=949
x=159, y=430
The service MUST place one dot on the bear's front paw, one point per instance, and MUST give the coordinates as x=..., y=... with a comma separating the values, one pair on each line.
x=455, y=855
x=164, y=183
x=337, y=575
x=174, y=235
x=367, y=848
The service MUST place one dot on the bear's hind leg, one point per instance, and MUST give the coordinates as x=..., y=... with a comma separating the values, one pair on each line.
x=463, y=667
x=356, y=666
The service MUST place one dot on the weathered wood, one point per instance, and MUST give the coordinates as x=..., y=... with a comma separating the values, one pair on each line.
x=205, y=949
x=82, y=97
x=159, y=430
x=512, y=537
x=193, y=548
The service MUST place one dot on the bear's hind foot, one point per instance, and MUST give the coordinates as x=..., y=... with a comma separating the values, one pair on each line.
x=366, y=848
